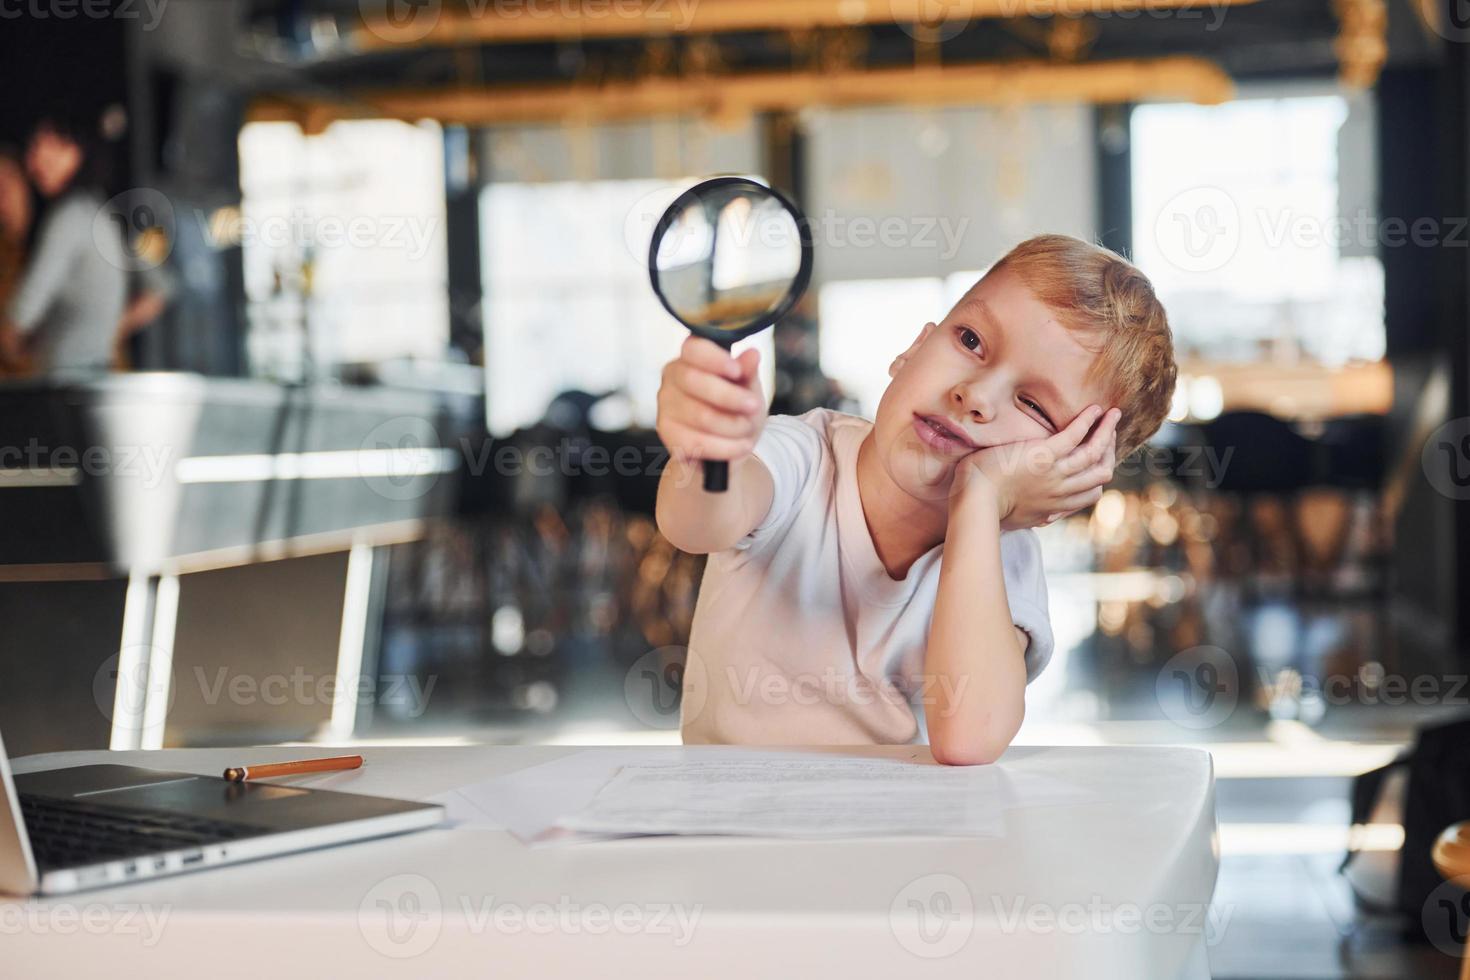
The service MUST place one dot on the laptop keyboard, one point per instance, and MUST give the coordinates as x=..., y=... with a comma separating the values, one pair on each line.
x=71, y=834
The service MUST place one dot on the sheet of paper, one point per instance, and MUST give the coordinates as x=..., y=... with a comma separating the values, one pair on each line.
x=813, y=797
x=528, y=802
x=553, y=803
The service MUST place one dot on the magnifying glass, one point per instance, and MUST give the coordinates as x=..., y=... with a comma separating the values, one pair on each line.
x=729, y=258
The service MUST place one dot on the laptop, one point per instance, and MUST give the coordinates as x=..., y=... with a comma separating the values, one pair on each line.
x=65, y=830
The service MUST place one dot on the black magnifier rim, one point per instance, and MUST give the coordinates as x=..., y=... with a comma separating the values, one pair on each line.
x=798, y=285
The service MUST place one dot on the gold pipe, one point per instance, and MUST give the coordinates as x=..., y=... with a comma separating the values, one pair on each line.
x=1003, y=83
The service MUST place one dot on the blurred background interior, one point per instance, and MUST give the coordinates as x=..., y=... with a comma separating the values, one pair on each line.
x=384, y=332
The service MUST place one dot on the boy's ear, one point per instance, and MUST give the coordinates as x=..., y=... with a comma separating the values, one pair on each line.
x=900, y=360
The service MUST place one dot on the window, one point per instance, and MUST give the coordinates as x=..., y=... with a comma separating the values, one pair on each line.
x=567, y=298
x=343, y=243
x=1245, y=218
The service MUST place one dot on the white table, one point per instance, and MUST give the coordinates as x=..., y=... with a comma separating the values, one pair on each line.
x=1118, y=888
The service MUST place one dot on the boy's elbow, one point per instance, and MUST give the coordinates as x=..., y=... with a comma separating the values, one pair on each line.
x=972, y=745
x=671, y=536
x=967, y=752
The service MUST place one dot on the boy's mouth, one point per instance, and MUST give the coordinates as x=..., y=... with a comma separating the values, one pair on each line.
x=941, y=435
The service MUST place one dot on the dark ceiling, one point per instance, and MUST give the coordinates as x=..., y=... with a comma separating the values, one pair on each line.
x=1264, y=39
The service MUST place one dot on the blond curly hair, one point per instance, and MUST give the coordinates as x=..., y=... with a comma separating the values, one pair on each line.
x=1101, y=295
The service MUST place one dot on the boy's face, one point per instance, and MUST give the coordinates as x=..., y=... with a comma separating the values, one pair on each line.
x=999, y=369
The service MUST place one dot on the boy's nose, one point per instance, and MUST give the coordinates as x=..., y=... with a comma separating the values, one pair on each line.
x=972, y=399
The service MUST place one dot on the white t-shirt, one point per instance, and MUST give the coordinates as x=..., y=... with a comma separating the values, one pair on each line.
x=800, y=636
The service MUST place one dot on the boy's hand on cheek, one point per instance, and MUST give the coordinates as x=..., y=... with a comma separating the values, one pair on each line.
x=1038, y=481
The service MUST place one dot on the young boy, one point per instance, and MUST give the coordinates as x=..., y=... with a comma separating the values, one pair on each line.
x=862, y=571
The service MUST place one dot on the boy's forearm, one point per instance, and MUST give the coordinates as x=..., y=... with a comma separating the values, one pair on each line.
x=697, y=521
x=974, y=659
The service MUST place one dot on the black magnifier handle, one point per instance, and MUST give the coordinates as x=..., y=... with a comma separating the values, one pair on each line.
x=717, y=471
x=716, y=475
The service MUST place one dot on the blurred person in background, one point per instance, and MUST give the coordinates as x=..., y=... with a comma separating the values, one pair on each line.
x=64, y=313
x=15, y=226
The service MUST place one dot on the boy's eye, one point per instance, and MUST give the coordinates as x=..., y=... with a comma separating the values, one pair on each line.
x=969, y=338
x=1039, y=410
